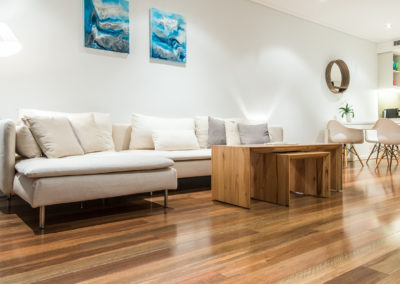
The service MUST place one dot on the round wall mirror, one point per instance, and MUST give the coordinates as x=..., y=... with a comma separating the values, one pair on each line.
x=337, y=76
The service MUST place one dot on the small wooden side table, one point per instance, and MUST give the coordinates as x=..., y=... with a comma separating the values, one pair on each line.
x=307, y=173
x=240, y=173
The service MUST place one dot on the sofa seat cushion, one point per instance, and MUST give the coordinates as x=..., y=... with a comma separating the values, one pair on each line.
x=189, y=155
x=91, y=164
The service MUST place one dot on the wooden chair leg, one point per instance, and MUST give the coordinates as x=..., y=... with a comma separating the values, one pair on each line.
x=387, y=153
x=395, y=153
x=372, y=152
x=381, y=157
x=358, y=156
x=391, y=156
x=398, y=153
x=379, y=150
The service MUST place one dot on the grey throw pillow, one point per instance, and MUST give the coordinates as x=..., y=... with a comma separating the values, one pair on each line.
x=216, y=132
x=253, y=134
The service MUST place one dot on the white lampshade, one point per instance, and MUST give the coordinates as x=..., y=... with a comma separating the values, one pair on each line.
x=9, y=44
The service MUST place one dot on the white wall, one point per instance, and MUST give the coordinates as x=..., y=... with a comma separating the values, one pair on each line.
x=243, y=60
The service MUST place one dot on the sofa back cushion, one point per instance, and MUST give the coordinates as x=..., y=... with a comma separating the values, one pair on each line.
x=102, y=120
x=104, y=123
x=143, y=127
x=26, y=145
x=122, y=136
x=55, y=136
x=88, y=133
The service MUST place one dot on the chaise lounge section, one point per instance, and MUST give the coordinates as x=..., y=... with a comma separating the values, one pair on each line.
x=42, y=182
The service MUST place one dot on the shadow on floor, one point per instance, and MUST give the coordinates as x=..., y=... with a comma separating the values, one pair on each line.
x=65, y=217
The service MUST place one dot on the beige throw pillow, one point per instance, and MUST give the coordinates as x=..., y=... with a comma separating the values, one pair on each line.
x=202, y=131
x=88, y=133
x=232, y=133
x=26, y=145
x=54, y=136
x=175, y=140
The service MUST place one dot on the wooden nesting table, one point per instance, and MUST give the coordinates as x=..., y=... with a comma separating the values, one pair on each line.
x=269, y=172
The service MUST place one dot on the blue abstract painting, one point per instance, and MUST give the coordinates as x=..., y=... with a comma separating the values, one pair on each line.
x=107, y=25
x=168, y=36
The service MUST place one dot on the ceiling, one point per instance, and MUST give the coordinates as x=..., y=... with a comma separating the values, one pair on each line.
x=366, y=19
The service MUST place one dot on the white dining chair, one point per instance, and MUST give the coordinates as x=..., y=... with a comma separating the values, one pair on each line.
x=371, y=137
x=338, y=133
x=389, y=136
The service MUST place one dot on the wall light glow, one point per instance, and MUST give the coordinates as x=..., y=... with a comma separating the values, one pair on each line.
x=9, y=44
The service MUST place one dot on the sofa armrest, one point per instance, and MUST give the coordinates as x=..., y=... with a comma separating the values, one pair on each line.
x=7, y=155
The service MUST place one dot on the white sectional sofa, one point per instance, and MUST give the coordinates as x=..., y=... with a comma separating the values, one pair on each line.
x=42, y=182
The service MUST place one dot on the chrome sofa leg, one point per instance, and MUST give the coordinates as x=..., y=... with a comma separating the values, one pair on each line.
x=42, y=215
x=166, y=198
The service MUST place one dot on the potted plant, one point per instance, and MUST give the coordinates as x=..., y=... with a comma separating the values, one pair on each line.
x=347, y=111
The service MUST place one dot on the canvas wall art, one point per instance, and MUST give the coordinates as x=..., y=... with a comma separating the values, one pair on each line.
x=168, y=36
x=107, y=25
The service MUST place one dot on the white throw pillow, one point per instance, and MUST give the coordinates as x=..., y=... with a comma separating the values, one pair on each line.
x=26, y=145
x=175, y=140
x=232, y=133
x=88, y=133
x=143, y=127
x=55, y=136
x=103, y=121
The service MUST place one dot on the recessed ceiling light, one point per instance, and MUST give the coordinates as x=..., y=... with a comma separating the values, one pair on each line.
x=388, y=26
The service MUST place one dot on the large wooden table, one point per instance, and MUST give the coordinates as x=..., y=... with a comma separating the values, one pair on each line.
x=240, y=173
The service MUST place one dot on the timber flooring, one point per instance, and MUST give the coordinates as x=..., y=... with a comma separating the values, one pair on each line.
x=353, y=237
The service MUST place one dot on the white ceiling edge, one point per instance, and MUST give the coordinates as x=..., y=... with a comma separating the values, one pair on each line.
x=387, y=46
x=310, y=19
